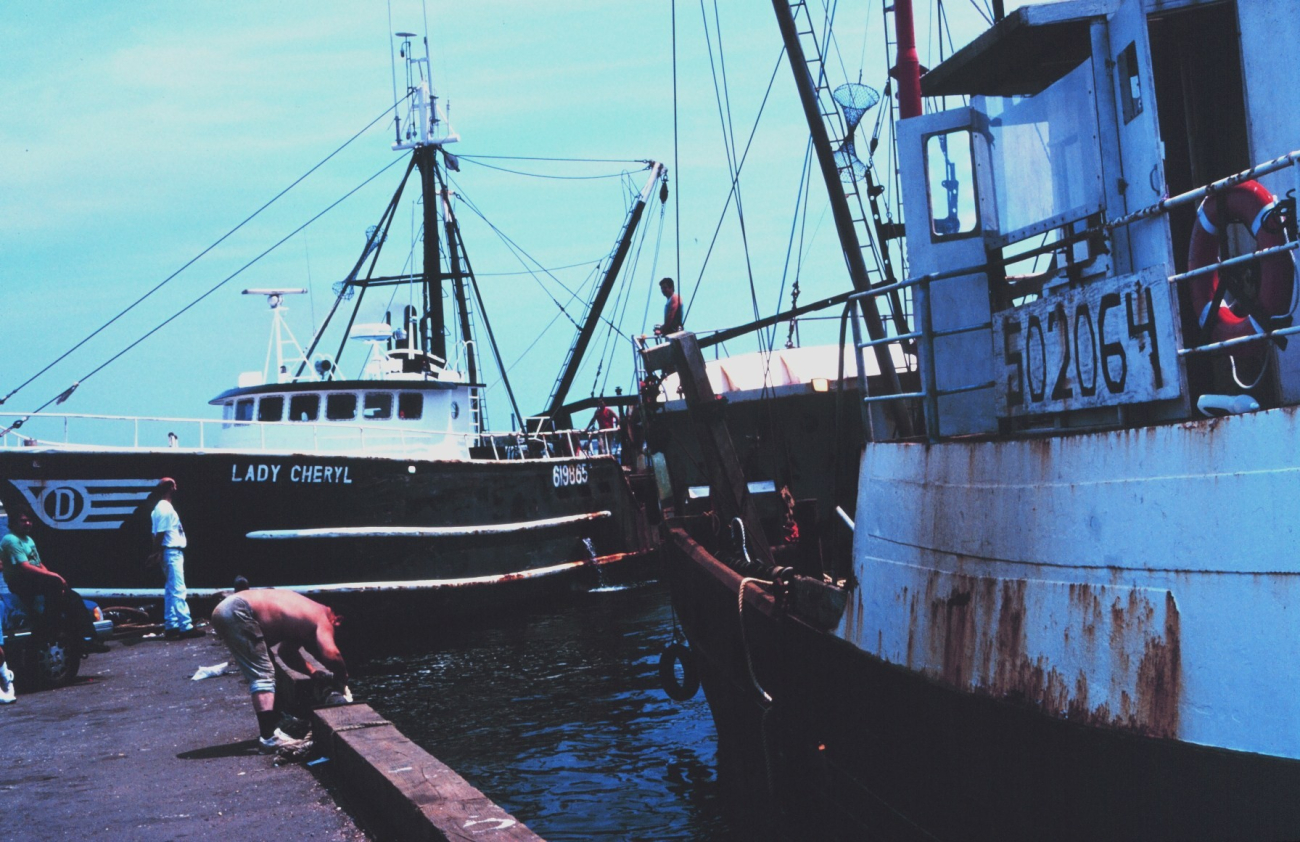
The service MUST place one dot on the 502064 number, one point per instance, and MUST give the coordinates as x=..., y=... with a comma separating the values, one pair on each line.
x=1088, y=348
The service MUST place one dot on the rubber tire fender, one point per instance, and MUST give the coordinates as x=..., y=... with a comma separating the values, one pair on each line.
x=685, y=688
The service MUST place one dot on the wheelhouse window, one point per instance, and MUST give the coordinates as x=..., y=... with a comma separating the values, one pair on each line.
x=244, y=410
x=378, y=405
x=410, y=405
x=341, y=406
x=951, y=184
x=270, y=408
x=304, y=407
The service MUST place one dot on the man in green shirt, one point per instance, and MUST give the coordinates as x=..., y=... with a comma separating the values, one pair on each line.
x=49, y=600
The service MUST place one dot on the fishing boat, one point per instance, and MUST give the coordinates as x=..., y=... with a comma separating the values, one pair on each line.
x=1070, y=601
x=382, y=488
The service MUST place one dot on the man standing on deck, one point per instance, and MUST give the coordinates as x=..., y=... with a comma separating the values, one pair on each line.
x=45, y=594
x=672, y=309
x=252, y=621
x=168, y=550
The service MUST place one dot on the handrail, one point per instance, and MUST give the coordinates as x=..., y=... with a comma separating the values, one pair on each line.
x=925, y=334
x=1165, y=205
x=369, y=437
x=1251, y=257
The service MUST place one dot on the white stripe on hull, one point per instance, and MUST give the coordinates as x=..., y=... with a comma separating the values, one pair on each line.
x=427, y=531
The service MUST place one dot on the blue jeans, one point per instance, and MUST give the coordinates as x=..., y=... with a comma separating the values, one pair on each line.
x=12, y=613
x=176, y=611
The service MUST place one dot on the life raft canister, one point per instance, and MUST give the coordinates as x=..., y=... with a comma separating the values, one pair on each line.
x=1249, y=204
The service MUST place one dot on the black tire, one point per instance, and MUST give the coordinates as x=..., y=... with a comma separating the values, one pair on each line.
x=57, y=661
x=684, y=688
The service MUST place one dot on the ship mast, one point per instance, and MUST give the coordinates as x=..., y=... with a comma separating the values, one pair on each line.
x=810, y=90
x=658, y=173
x=427, y=131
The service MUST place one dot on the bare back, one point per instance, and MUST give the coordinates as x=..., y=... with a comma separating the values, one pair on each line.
x=288, y=617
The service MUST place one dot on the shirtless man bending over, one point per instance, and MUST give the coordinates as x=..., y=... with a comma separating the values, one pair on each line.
x=252, y=621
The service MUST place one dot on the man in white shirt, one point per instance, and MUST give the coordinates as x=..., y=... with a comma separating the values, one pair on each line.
x=168, y=550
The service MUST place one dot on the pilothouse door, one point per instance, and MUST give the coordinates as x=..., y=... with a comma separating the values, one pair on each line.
x=1141, y=181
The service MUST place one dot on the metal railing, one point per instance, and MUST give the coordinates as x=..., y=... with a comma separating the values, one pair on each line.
x=126, y=432
x=1201, y=193
x=924, y=337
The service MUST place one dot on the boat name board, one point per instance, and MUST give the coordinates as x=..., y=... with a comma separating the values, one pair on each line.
x=566, y=475
x=264, y=472
x=1111, y=342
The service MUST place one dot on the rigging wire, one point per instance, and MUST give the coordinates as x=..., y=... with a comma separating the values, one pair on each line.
x=200, y=255
x=985, y=12
x=63, y=395
x=654, y=270
x=544, y=175
x=392, y=66
x=797, y=221
x=744, y=156
x=550, y=269
x=729, y=140
x=517, y=251
x=540, y=158
x=862, y=55
x=677, y=193
x=829, y=38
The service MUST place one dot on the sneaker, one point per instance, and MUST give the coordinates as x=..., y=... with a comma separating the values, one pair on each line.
x=6, y=685
x=183, y=634
x=294, y=727
x=277, y=741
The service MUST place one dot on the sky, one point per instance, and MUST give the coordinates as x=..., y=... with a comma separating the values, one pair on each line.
x=135, y=136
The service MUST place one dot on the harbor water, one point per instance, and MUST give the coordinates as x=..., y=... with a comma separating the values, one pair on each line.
x=558, y=717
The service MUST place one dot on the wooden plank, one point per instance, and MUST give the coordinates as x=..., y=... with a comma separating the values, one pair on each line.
x=418, y=796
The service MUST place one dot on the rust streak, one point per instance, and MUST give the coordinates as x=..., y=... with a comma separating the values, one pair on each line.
x=1160, y=677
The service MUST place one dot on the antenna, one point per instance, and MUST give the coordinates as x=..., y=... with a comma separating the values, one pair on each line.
x=279, y=329
x=392, y=63
x=426, y=124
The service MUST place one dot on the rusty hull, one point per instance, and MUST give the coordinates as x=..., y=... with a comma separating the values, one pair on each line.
x=1098, y=654
x=1140, y=579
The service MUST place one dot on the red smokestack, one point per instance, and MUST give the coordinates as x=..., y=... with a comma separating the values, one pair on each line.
x=908, y=71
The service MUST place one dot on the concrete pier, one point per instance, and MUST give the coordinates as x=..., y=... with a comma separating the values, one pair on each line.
x=414, y=795
x=136, y=750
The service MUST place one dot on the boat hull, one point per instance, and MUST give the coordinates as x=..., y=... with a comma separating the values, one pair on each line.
x=332, y=524
x=854, y=747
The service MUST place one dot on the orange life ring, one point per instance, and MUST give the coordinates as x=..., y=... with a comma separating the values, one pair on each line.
x=1249, y=204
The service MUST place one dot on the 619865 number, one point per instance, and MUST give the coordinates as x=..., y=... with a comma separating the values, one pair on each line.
x=566, y=475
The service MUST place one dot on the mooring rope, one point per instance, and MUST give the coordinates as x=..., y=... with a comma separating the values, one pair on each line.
x=740, y=604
